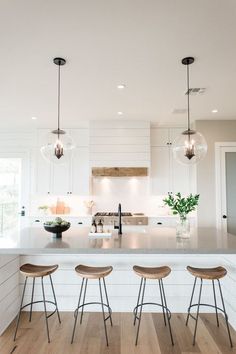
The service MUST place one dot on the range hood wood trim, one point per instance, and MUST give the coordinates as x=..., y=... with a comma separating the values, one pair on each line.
x=119, y=171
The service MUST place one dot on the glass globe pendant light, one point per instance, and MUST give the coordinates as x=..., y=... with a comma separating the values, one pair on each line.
x=58, y=145
x=190, y=147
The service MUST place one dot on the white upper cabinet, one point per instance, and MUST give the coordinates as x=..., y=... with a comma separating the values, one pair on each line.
x=160, y=136
x=71, y=178
x=160, y=170
x=180, y=176
x=167, y=175
x=61, y=179
x=80, y=176
x=42, y=174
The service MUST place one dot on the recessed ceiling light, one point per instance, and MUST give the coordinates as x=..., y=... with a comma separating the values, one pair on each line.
x=121, y=86
x=214, y=111
x=34, y=118
x=120, y=113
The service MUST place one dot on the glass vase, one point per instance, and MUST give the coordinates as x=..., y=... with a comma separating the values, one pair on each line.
x=183, y=227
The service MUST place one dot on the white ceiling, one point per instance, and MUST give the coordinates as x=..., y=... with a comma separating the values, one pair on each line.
x=107, y=42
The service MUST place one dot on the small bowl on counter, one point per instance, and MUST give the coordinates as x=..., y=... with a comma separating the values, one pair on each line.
x=57, y=227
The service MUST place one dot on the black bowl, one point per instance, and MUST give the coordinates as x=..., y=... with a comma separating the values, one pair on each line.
x=57, y=230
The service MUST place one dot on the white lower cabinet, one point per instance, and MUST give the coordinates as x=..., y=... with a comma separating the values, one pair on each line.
x=168, y=221
x=76, y=221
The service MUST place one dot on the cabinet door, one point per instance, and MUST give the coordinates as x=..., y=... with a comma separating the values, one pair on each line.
x=174, y=133
x=160, y=170
x=180, y=176
x=43, y=171
x=160, y=137
x=80, y=171
x=61, y=179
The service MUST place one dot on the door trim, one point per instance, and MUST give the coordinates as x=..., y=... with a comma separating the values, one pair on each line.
x=220, y=147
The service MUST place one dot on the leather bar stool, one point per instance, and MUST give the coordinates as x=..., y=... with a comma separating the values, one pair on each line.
x=38, y=271
x=213, y=274
x=155, y=273
x=92, y=273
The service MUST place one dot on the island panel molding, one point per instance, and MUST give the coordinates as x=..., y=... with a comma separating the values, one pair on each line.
x=119, y=171
x=9, y=289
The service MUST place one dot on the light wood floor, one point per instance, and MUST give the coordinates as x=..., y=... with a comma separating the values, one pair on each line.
x=153, y=339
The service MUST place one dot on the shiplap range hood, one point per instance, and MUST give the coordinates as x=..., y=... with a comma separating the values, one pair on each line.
x=119, y=148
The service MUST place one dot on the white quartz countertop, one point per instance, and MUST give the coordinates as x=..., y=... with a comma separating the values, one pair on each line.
x=140, y=240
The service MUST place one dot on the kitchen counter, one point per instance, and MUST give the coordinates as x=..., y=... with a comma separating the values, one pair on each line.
x=135, y=240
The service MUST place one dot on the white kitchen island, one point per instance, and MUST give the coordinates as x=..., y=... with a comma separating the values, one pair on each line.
x=144, y=246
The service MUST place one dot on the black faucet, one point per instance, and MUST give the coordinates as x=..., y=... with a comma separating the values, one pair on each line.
x=119, y=226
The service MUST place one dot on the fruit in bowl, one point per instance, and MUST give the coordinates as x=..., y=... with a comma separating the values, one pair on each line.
x=57, y=226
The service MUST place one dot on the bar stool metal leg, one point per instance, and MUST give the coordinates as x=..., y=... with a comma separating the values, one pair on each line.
x=109, y=309
x=140, y=312
x=214, y=293
x=191, y=300
x=45, y=309
x=55, y=300
x=77, y=310
x=198, y=306
x=168, y=317
x=19, y=315
x=32, y=299
x=103, y=312
x=163, y=310
x=139, y=293
x=82, y=311
x=226, y=316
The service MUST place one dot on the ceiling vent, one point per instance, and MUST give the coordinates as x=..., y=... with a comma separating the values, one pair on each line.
x=179, y=111
x=195, y=91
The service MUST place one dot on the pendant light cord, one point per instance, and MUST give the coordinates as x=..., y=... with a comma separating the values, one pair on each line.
x=59, y=98
x=188, y=96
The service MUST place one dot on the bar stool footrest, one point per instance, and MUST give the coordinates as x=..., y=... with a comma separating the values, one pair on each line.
x=41, y=301
x=151, y=303
x=206, y=305
x=94, y=303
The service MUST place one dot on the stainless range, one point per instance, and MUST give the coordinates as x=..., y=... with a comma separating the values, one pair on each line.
x=109, y=218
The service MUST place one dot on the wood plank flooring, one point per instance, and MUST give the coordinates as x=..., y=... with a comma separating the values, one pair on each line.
x=154, y=336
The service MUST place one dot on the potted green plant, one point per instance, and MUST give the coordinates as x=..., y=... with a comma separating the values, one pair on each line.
x=182, y=206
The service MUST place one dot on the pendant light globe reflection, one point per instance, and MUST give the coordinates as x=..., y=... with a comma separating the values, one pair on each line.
x=189, y=148
x=57, y=147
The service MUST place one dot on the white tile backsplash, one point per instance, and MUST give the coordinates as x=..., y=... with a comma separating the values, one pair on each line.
x=132, y=192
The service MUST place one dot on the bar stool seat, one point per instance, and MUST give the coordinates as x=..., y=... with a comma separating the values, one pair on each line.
x=152, y=272
x=93, y=272
x=35, y=271
x=208, y=273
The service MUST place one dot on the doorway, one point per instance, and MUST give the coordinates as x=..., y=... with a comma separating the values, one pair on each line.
x=226, y=187
x=12, y=189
